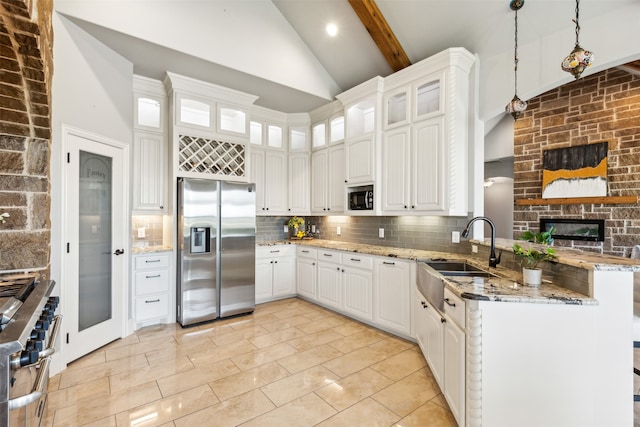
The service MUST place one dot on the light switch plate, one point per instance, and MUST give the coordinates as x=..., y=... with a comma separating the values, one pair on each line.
x=455, y=237
x=313, y=228
x=474, y=249
x=381, y=233
x=141, y=232
x=339, y=230
x=286, y=228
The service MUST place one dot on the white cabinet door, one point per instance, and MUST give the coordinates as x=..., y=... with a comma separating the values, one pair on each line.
x=434, y=338
x=275, y=180
x=358, y=293
x=420, y=328
x=427, y=169
x=256, y=166
x=360, y=154
x=454, y=370
x=149, y=172
x=299, y=184
x=395, y=170
x=337, y=193
x=306, y=278
x=319, y=181
x=392, y=295
x=264, y=279
x=283, y=276
x=329, y=285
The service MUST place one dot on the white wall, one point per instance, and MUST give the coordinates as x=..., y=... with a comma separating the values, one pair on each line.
x=498, y=143
x=92, y=90
x=498, y=205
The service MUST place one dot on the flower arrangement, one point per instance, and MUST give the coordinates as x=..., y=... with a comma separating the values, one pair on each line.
x=296, y=222
x=531, y=257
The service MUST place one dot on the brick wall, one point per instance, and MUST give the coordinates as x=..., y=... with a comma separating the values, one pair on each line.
x=25, y=131
x=599, y=107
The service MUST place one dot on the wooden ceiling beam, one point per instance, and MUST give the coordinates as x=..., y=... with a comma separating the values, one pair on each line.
x=381, y=33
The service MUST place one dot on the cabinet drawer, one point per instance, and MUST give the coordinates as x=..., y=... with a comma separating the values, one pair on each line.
x=153, y=281
x=306, y=252
x=152, y=261
x=329, y=256
x=454, y=307
x=152, y=306
x=275, y=251
x=358, y=261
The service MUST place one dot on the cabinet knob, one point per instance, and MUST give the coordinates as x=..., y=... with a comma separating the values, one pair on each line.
x=275, y=262
x=443, y=320
x=405, y=206
x=161, y=207
x=338, y=268
x=342, y=270
x=328, y=209
x=267, y=208
x=413, y=207
x=313, y=263
x=289, y=209
x=345, y=181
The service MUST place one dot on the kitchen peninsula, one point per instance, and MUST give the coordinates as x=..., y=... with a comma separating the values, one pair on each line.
x=535, y=356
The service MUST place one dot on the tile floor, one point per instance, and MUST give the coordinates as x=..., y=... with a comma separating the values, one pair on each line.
x=290, y=363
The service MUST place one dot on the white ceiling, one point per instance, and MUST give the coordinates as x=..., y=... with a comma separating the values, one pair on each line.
x=278, y=49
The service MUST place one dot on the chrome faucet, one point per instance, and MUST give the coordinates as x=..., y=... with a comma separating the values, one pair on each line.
x=493, y=261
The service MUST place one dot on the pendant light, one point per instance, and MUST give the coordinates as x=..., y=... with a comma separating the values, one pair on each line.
x=517, y=105
x=579, y=59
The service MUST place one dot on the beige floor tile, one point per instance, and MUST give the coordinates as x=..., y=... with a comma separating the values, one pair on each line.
x=248, y=321
x=93, y=410
x=234, y=335
x=286, y=323
x=317, y=326
x=262, y=356
x=391, y=345
x=229, y=413
x=358, y=340
x=134, y=377
x=349, y=328
x=97, y=389
x=161, y=343
x=402, y=364
x=77, y=374
x=222, y=352
x=306, y=359
x=307, y=342
x=367, y=413
x=272, y=338
x=354, y=361
x=163, y=356
x=104, y=422
x=95, y=358
x=354, y=388
x=306, y=411
x=297, y=385
x=168, y=409
x=245, y=381
x=429, y=414
x=408, y=394
x=195, y=377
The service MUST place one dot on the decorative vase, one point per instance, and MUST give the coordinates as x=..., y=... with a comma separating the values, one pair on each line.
x=532, y=277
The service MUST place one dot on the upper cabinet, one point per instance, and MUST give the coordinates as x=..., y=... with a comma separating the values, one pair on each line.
x=150, y=166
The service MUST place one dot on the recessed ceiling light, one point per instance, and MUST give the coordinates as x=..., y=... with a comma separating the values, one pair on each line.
x=332, y=29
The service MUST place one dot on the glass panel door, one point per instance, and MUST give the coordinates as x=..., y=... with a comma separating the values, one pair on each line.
x=95, y=243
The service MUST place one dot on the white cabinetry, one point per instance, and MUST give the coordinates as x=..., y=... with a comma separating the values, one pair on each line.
x=299, y=184
x=149, y=165
x=269, y=172
x=357, y=276
x=360, y=158
x=454, y=355
x=329, y=279
x=151, y=289
x=430, y=335
x=327, y=180
x=306, y=271
x=275, y=272
x=392, y=294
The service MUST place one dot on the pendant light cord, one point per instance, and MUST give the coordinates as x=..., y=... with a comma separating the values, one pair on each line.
x=577, y=21
x=515, y=56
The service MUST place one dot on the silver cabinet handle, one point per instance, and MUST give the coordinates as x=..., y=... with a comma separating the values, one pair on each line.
x=36, y=391
x=152, y=277
x=327, y=254
x=450, y=304
x=151, y=260
x=305, y=252
x=147, y=301
x=388, y=263
x=355, y=259
x=276, y=251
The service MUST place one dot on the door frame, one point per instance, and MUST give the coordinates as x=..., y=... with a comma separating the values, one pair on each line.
x=66, y=132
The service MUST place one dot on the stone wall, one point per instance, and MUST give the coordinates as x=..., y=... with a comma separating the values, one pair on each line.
x=25, y=133
x=600, y=107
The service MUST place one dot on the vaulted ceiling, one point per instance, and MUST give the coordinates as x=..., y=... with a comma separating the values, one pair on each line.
x=279, y=50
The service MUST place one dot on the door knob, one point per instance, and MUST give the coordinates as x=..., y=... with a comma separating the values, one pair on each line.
x=119, y=252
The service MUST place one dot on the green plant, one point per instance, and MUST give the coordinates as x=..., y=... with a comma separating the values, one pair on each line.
x=296, y=222
x=532, y=256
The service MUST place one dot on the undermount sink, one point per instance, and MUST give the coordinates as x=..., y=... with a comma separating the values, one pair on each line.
x=453, y=266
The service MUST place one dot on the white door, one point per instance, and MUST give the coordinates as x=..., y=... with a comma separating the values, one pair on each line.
x=95, y=235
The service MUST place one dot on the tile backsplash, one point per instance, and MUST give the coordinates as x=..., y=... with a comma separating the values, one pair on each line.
x=147, y=230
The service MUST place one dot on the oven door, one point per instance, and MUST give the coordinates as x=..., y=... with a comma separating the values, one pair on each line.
x=28, y=395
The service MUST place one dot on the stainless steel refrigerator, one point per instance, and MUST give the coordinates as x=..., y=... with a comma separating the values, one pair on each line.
x=216, y=249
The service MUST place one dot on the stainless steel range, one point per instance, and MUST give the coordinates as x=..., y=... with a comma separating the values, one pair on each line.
x=28, y=331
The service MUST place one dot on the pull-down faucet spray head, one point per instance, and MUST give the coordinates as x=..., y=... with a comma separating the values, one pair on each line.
x=493, y=260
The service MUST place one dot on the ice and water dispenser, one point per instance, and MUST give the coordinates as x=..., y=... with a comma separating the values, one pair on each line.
x=200, y=240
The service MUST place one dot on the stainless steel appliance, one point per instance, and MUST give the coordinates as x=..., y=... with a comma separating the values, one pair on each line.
x=361, y=200
x=216, y=249
x=28, y=331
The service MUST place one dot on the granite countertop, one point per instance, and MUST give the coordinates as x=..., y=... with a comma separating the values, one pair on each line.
x=150, y=249
x=505, y=288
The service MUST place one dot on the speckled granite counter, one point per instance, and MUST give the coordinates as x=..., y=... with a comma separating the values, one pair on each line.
x=150, y=249
x=506, y=288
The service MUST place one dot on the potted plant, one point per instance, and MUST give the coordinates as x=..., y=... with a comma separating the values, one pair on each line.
x=533, y=255
x=294, y=224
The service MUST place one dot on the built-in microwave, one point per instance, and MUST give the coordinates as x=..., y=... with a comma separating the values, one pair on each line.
x=361, y=200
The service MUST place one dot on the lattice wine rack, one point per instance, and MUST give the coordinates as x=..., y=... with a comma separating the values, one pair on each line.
x=211, y=157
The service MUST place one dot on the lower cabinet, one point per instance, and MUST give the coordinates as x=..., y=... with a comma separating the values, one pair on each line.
x=392, y=295
x=151, y=289
x=430, y=336
x=330, y=279
x=275, y=272
x=357, y=283
x=306, y=272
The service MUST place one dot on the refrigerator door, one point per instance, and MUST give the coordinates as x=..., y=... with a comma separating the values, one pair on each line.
x=198, y=215
x=237, y=248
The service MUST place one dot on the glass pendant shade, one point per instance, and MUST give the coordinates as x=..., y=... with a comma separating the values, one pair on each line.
x=577, y=61
x=516, y=107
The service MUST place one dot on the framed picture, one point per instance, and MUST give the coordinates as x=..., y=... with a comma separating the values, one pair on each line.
x=579, y=171
x=574, y=229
